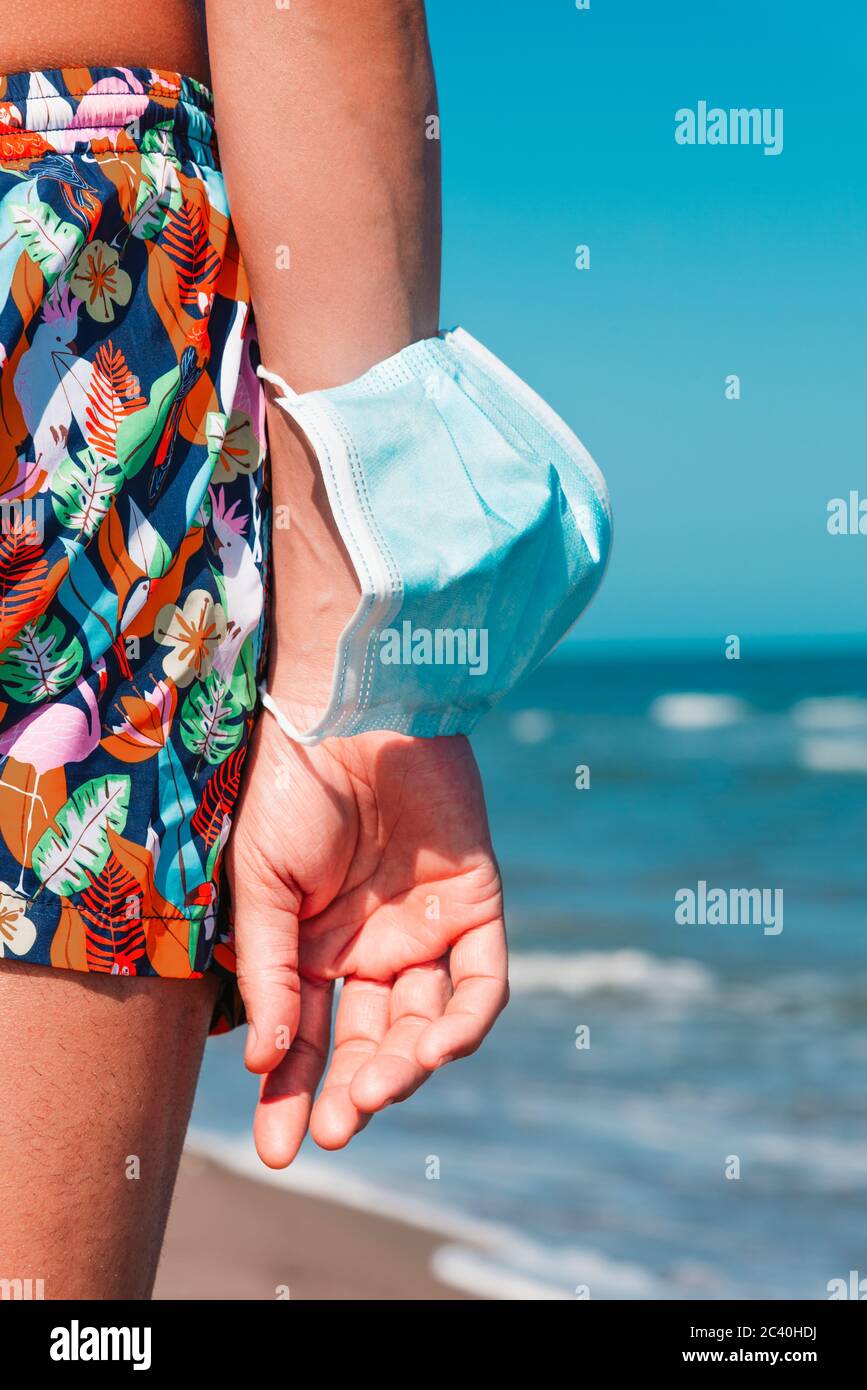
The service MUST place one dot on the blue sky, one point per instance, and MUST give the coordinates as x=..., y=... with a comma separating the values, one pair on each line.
x=558, y=129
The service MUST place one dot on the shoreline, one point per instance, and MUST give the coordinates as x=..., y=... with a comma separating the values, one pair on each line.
x=234, y=1236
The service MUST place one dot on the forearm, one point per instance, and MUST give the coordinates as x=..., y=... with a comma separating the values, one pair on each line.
x=324, y=118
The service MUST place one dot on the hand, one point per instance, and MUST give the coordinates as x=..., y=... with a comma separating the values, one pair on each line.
x=367, y=859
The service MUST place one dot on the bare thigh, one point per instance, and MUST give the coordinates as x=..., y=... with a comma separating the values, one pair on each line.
x=96, y=1085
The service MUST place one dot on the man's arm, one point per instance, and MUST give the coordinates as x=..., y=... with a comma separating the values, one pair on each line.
x=323, y=115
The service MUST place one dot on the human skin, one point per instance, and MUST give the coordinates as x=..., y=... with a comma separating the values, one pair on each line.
x=164, y=34
x=366, y=859
x=95, y=1094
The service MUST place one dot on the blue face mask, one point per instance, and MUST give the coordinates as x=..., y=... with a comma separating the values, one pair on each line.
x=478, y=526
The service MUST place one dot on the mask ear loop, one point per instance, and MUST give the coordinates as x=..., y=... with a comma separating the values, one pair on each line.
x=289, y=396
x=286, y=399
x=286, y=726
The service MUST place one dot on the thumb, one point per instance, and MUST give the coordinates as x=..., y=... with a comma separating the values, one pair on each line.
x=266, y=948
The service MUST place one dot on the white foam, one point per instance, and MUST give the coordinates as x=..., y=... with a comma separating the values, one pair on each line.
x=482, y=1258
x=833, y=712
x=531, y=726
x=579, y=973
x=697, y=711
x=522, y=1271
x=318, y=1177
x=845, y=755
x=831, y=1163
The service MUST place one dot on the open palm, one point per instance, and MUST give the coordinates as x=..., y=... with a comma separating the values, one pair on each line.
x=369, y=860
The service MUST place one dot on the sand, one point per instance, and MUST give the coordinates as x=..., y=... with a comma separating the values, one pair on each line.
x=230, y=1237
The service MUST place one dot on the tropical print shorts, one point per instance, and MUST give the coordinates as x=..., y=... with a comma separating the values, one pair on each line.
x=134, y=525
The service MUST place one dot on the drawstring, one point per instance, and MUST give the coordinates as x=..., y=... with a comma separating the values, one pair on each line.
x=289, y=396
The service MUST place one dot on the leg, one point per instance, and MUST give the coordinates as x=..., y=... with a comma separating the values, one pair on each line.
x=96, y=1088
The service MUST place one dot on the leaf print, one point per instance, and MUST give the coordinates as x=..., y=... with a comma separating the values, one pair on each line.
x=113, y=393
x=159, y=193
x=178, y=874
x=212, y=720
x=88, y=598
x=76, y=847
x=39, y=664
x=132, y=431
x=111, y=908
x=219, y=797
x=23, y=570
x=84, y=489
x=46, y=108
x=68, y=945
x=158, y=141
x=29, y=801
x=145, y=545
x=186, y=242
x=47, y=240
x=167, y=930
x=139, y=433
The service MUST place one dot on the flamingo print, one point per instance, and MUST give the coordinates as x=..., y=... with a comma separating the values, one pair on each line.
x=56, y=735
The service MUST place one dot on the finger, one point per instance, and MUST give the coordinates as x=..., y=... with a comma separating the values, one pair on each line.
x=479, y=965
x=361, y=1024
x=266, y=945
x=419, y=996
x=286, y=1094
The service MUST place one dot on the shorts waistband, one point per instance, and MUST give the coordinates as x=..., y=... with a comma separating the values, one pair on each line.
x=122, y=108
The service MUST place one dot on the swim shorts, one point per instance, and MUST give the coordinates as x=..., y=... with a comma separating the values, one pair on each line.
x=134, y=525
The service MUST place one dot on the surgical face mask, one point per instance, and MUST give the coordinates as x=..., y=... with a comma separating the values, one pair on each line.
x=478, y=525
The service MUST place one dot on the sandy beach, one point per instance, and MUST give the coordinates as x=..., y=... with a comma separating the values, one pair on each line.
x=230, y=1237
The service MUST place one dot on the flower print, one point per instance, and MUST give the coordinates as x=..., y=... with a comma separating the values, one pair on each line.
x=193, y=633
x=17, y=932
x=98, y=280
x=240, y=450
x=145, y=724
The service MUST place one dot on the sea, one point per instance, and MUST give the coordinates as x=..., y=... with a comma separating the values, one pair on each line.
x=666, y=1109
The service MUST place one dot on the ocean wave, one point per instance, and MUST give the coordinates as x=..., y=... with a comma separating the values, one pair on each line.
x=693, y=710
x=319, y=1177
x=519, y=1270
x=484, y=1258
x=531, y=726
x=663, y=981
x=841, y=755
x=580, y=973
x=831, y=712
x=832, y=1164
